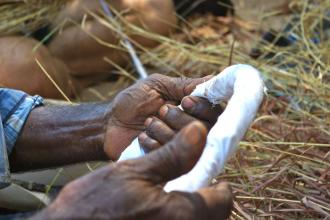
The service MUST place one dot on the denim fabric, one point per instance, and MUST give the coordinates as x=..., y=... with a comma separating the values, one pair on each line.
x=4, y=164
x=15, y=107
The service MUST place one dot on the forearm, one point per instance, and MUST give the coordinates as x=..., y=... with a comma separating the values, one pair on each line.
x=61, y=135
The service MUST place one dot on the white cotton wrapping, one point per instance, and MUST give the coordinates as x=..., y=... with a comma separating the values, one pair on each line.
x=243, y=86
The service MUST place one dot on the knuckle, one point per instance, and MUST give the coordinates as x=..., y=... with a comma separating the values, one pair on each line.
x=152, y=128
x=185, y=81
x=160, y=83
x=155, y=76
x=158, y=79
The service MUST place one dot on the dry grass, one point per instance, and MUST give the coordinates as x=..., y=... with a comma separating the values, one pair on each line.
x=25, y=16
x=282, y=168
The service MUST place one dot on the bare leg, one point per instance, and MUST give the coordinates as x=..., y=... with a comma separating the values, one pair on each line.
x=19, y=70
x=84, y=55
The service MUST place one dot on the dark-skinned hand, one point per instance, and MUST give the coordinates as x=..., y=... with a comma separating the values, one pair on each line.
x=160, y=129
x=133, y=189
x=134, y=105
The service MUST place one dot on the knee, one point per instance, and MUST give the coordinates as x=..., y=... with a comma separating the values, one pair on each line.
x=19, y=70
x=75, y=11
x=158, y=16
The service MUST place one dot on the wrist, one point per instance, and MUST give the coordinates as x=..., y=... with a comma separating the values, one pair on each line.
x=91, y=126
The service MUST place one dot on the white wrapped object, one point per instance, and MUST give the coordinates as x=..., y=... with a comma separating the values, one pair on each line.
x=243, y=86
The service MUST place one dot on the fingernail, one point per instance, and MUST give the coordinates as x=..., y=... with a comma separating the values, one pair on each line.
x=148, y=122
x=143, y=136
x=163, y=111
x=195, y=131
x=188, y=103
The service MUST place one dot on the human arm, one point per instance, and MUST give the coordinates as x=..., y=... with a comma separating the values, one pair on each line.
x=61, y=135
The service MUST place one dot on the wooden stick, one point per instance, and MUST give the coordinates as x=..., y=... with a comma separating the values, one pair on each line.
x=128, y=45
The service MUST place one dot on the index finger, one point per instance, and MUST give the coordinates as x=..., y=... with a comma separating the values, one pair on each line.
x=174, y=88
x=201, y=108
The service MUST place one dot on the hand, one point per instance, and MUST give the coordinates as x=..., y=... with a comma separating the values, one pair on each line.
x=135, y=104
x=171, y=119
x=132, y=189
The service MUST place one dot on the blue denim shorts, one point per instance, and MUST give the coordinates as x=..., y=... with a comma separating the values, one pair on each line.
x=15, y=107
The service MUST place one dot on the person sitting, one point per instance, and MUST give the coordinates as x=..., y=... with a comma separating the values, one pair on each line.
x=39, y=136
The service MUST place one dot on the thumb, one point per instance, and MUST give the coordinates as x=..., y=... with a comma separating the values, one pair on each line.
x=175, y=158
x=218, y=200
x=174, y=88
